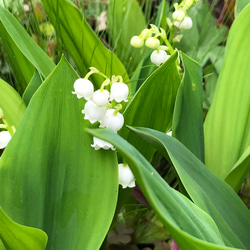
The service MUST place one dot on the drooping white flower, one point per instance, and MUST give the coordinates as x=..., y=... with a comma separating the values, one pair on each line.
x=101, y=97
x=159, y=57
x=112, y=120
x=178, y=15
x=93, y=112
x=137, y=42
x=185, y=24
x=152, y=43
x=99, y=143
x=119, y=92
x=126, y=177
x=83, y=88
x=5, y=137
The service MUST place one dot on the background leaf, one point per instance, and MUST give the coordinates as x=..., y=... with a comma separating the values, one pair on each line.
x=188, y=112
x=226, y=127
x=56, y=181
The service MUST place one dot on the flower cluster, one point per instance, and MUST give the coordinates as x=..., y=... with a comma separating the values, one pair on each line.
x=103, y=105
x=151, y=39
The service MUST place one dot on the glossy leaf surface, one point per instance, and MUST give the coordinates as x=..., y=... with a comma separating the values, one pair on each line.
x=56, y=181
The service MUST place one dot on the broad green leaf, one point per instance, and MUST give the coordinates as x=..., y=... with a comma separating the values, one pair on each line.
x=190, y=226
x=81, y=42
x=241, y=168
x=226, y=128
x=122, y=17
x=50, y=176
x=188, y=112
x=153, y=104
x=11, y=103
x=23, y=52
x=16, y=236
x=207, y=190
x=240, y=4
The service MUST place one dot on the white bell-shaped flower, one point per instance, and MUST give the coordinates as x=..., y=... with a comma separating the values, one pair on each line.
x=83, y=88
x=119, y=92
x=185, y=24
x=101, y=97
x=112, y=120
x=126, y=177
x=137, y=42
x=93, y=112
x=152, y=43
x=5, y=137
x=159, y=57
x=178, y=15
x=99, y=143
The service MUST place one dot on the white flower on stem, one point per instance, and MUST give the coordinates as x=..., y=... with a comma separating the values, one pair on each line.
x=113, y=120
x=185, y=24
x=101, y=97
x=99, y=143
x=137, y=42
x=126, y=177
x=119, y=92
x=178, y=15
x=93, y=112
x=159, y=57
x=5, y=137
x=83, y=88
x=152, y=43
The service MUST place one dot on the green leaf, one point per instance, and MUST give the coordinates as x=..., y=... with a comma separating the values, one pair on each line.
x=153, y=104
x=16, y=236
x=190, y=226
x=226, y=128
x=50, y=176
x=207, y=190
x=23, y=52
x=122, y=17
x=188, y=112
x=81, y=42
x=11, y=103
x=240, y=4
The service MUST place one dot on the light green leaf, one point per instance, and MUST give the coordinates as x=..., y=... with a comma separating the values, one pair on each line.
x=153, y=104
x=188, y=112
x=226, y=127
x=16, y=236
x=190, y=226
x=23, y=52
x=50, y=176
x=11, y=103
x=207, y=190
x=240, y=4
x=81, y=42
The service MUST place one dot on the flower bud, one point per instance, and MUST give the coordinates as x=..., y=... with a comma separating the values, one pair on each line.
x=112, y=120
x=101, y=97
x=83, y=88
x=93, y=112
x=159, y=57
x=152, y=43
x=126, y=177
x=99, y=143
x=136, y=42
x=178, y=15
x=5, y=137
x=185, y=24
x=119, y=92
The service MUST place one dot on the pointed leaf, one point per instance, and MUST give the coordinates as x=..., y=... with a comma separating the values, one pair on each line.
x=50, y=176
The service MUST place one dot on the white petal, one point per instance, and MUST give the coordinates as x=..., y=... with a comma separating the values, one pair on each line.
x=83, y=88
x=126, y=177
x=178, y=15
x=112, y=120
x=101, y=98
x=185, y=24
x=93, y=112
x=119, y=92
x=5, y=137
x=99, y=143
x=159, y=57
